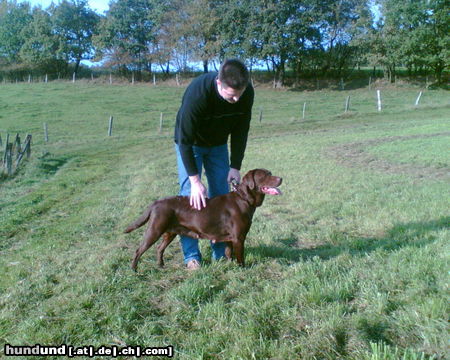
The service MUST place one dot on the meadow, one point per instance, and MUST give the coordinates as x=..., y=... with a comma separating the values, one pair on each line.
x=351, y=262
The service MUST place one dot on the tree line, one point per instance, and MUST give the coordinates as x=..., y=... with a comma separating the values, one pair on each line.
x=328, y=38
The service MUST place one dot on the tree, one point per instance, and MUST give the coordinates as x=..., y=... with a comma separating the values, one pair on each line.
x=270, y=32
x=201, y=27
x=433, y=37
x=41, y=47
x=171, y=45
x=75, y=24
x=414, y=34
x=127, y=33
x=13, y=18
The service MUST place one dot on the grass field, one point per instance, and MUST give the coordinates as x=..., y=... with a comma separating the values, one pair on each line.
x=350, y=263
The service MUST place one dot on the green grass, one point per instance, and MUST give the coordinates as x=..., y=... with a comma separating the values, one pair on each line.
x=350, y=263
x=421, y=151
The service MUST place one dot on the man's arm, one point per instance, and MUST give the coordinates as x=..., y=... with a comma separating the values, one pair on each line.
x=187, y=126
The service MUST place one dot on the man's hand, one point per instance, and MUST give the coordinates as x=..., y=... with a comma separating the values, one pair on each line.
x=198, y=193
x=234, y=174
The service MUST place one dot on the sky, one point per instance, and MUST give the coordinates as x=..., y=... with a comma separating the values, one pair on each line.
x=98, y=5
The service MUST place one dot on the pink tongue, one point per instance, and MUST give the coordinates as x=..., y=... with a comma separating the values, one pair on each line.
x=271, y=191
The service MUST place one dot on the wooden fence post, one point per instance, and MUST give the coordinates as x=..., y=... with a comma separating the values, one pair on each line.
x=73, y=77
x=154, y=79
x=6, y=148
x=347, y=103
x=418, y=99
x=110, y=78
x=161, y=117
x=28, y=148
x=45, y=132
x=304, y=110
x=379, y=99
x=8, y=157
x=17, y=144
x=110, y=126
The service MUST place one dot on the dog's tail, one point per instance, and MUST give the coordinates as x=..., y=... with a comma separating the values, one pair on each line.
x=139, y=222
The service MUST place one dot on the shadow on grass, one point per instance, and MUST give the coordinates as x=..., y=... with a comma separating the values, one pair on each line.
x=46, y=164
x=402, y=235
x=51, y=165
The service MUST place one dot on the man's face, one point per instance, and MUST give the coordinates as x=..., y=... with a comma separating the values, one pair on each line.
x=229, y=94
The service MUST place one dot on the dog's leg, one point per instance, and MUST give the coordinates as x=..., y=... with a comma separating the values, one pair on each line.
x=167, y=239
x=150, y=237
x=238, y=247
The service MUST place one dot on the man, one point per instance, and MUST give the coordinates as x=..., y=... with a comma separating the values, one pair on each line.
x=214, y=106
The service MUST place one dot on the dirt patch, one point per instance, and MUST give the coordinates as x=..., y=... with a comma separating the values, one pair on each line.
x=353, y=155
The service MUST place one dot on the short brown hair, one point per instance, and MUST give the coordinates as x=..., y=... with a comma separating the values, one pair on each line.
x=234, y=74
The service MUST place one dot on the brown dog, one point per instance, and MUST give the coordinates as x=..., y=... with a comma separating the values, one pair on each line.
x=225, y=218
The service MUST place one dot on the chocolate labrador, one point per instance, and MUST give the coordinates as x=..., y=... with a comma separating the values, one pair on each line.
x=225, y=218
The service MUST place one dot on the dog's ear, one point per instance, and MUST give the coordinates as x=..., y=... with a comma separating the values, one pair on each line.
x=249, y=180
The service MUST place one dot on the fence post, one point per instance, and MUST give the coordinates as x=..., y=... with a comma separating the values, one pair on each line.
x=132, y=78
x=347, y=103
x=418, y=99
x=304, y=110
x=178, y=80
x=110, y=78
x=260, y=115
x=27, y=150
x=161, y=122
x=379, y=99
x=45, y=132
x=110, y=126
x=6, y=148
x=370, y=82
x=73, y=77
x=8, y=156
x=28, y=146
x=17, y=143
x=154, y=79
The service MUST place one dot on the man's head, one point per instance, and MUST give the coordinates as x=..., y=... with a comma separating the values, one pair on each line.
x=232, y=80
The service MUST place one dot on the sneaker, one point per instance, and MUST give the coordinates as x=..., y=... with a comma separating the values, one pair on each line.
x=193, y=265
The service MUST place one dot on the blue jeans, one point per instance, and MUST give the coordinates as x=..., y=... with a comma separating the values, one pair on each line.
x=216, y=163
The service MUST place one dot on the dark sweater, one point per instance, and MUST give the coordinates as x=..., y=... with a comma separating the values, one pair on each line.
x=206, y=119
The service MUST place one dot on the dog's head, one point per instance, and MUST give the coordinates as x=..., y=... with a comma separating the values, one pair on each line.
x=256, y=184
